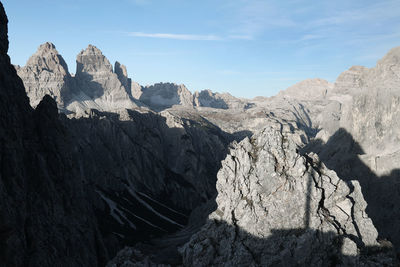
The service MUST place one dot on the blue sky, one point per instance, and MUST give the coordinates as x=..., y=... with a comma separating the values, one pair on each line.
x=244, y=47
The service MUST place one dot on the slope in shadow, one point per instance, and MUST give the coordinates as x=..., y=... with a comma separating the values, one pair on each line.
x=382, y=193
x=230, y=245
x=144, y=178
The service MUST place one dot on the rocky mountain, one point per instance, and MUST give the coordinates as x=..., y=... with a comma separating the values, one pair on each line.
x=46, y=73
x=207, y=98
x=363, y=144
x=312, y=89
x=94, y=86
x=164, y=95
x=277, y=208
x=75, y=191
x=307, y=177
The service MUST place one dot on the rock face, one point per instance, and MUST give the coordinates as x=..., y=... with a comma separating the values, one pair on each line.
x=76, y=191
x=138, y=164
x=207, y=98
x=96, y=79
x=46, y=73
x=277, y=208
x=95, y=85
x=122, y=74
x=164, y=95
x=312, y=89
x=45, y=219
x=363, y=142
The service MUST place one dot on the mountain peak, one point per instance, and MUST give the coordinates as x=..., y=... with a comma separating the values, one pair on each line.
x=47, y=57
x=47, y=46
x=91, y=50
x=92, y=60
x=391, y=58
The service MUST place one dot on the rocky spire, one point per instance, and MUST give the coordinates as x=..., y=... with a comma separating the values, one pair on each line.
x=92, y=61
x=46, y=73
x=96, y=79
x=48, y=58
x=122, y=74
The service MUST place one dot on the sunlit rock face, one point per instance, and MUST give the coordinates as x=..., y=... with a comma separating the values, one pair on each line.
x=94, y=86
x=277, y=208
x=311, y=89
x=46, y=73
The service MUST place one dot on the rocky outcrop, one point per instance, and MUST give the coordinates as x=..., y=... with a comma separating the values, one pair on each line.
x=363, y=144
x=207, y=98
x=96, y=79
x=277, y=208
x=311, y=89
x=46, y=73
x=164, y=95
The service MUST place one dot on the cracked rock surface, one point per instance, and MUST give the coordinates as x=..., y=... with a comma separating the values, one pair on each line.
x=277, y=208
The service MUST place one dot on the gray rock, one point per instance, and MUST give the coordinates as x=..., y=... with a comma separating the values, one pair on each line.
x=277, y=208
x=122, y=74
x=96, y=79
x=164, y=95
x=46, y=73
x=311, y=89
x=207, y=98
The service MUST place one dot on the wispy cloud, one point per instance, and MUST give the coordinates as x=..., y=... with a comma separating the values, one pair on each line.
x=252, y=17
x=190, y=37
x=378, y=12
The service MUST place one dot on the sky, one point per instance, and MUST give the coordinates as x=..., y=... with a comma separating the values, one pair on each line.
x=245, y=47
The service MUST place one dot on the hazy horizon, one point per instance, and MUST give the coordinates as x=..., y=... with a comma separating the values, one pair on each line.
x=247, y=48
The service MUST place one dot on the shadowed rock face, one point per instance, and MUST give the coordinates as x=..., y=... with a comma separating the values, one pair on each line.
x=344, y=155
x=74, y=192
x=164, y=95
x=39, y=187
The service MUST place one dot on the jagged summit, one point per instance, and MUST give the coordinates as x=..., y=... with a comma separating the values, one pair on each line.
x=392, y=57
x=92, y=61
x=47, y=45
x=48, y=58
x=46, y=72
